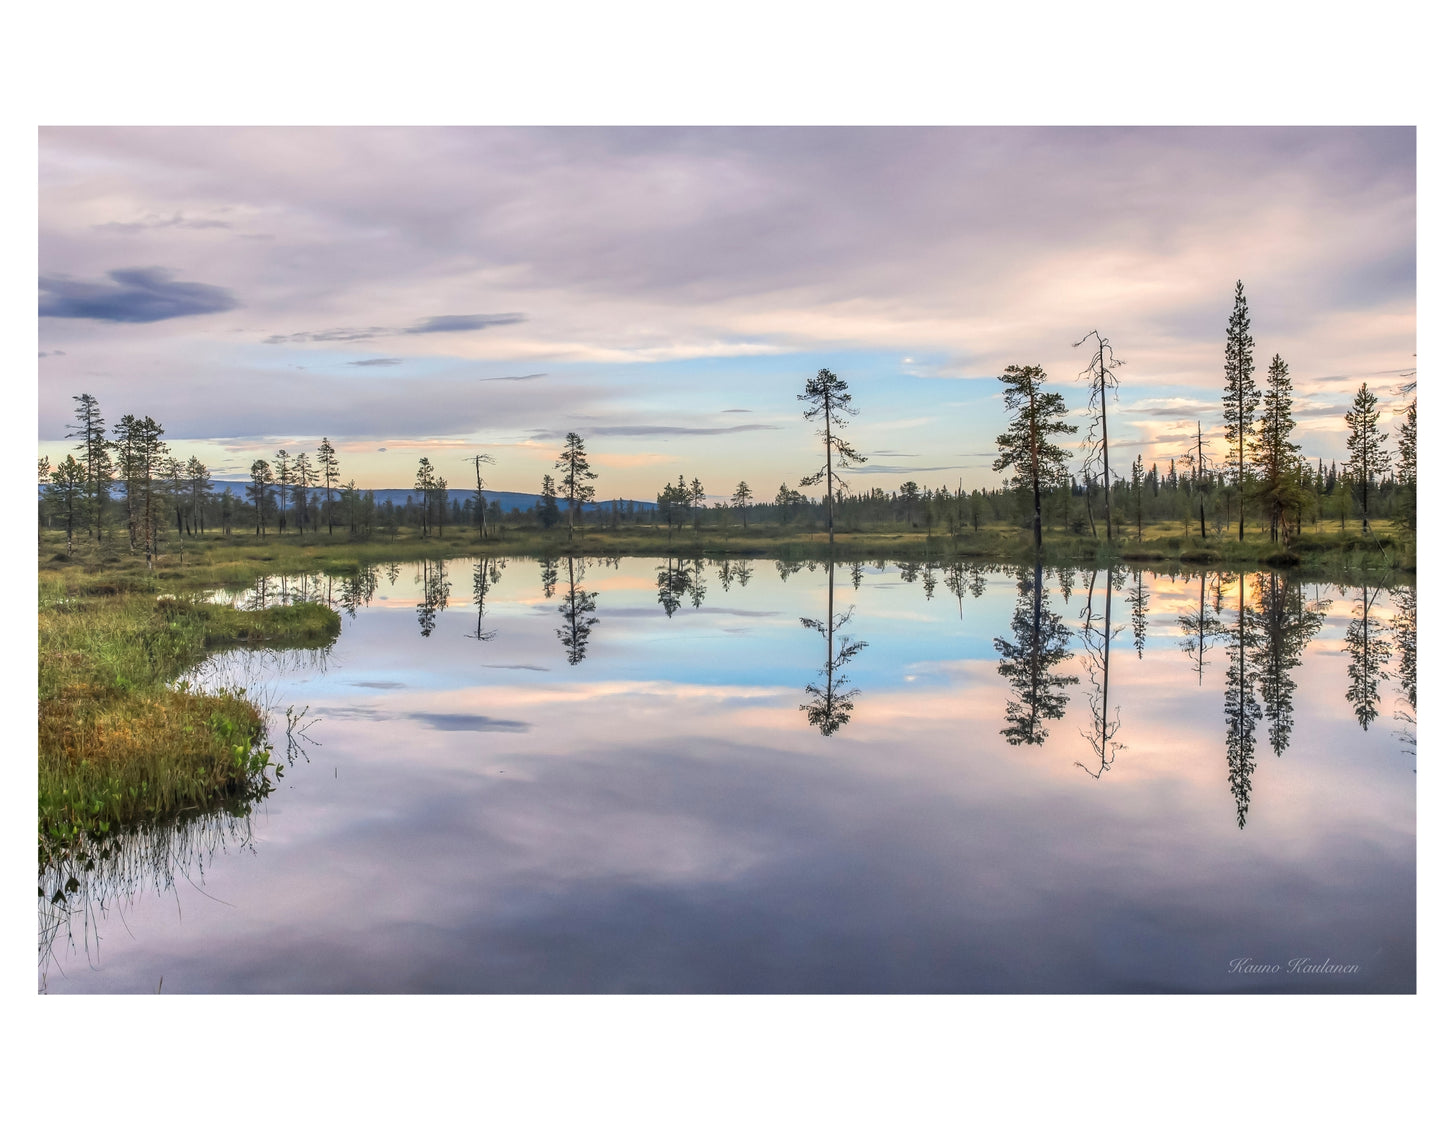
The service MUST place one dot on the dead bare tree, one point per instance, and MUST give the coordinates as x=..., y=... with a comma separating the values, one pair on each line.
x=1102, y=380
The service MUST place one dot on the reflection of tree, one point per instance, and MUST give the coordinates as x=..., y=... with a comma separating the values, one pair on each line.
x=696, y=582
x=677, y=579
x=435, y=588
x=486, y=573
x=831, y=705
x=1402, y=623
x=576, y=608
x=1039, y=644
x=549, y=577
x=930, y=582
x=1198, y=628
x=788, y=568
x=1241, y=707
x=357, y=589
x=959, y=578
x=1286, y=624
x=78, y=889
x=855, y=573
x=734, y=572
x=1369, y=651
x=1096, y=638
x=1138, y=601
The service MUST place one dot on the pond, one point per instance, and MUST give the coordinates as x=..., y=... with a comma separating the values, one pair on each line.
x=632, y=775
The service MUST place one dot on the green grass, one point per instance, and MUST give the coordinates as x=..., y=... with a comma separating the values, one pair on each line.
x=118, y=741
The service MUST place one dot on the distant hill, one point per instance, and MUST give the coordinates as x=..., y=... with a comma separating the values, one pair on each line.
x=509, y=500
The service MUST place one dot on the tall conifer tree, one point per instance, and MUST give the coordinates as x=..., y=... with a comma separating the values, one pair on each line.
x=1241, y=395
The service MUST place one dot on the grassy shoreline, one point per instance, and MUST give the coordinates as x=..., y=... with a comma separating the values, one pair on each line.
x=238, y=560
x=118, y=741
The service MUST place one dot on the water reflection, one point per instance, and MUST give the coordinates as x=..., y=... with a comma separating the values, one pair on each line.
x=1286, y=622
x=1241, y=705
x=961, y=578
x=435, y=591
x=1200, y=627
x=577, y=607
x=1027, y=661
x=1096, y=637
x=1403, y=625
x=732, y=572
x=486, y=573
x=357, y=589
x=1138, y=601
x=1369, y=649
x=692, y=838
x=78, y=892
x=679, y=580
x=830, y=706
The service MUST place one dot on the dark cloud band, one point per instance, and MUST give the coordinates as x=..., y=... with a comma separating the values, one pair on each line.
x=138, y=294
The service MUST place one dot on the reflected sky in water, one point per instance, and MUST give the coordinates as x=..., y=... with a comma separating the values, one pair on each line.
x=614, y=776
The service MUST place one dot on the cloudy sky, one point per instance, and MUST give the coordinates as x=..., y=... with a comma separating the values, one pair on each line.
x=666, y=292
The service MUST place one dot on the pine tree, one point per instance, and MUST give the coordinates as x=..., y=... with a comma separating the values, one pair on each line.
x=95, y=459
x=830, y=400
x=305, y=476
x=426, y=484
x=198, y=477
x=1241, y=396
x=67, y=498
x=695, y=496
x=547, y=511
x=330, y=470
x=282, y=477
x=741, y=497
x=1027, y=445
x=259, y=491
x=576, y=478
x=1366, y=444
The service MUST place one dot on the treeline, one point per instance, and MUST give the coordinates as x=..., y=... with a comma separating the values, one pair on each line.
x=130, y=475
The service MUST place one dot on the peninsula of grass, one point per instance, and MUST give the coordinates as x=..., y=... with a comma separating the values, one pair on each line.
x=119, y=740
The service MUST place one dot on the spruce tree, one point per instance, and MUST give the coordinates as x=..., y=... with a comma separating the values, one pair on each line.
x=1405, y=466
x=1273, y=458
x=1366, y=444
x=1241, y=395
x=1027, y=446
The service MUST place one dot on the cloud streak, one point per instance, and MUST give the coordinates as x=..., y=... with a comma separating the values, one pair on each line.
x=445, y=323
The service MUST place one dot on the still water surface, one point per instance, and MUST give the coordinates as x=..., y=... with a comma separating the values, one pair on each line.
x=693, y=776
